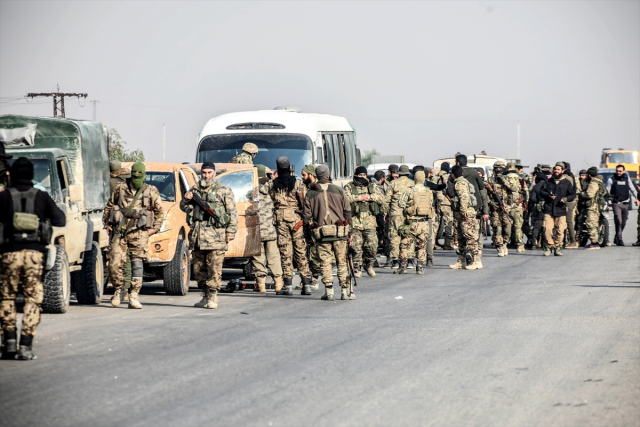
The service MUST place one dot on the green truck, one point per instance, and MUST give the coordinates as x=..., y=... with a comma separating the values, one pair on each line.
x=71, y=163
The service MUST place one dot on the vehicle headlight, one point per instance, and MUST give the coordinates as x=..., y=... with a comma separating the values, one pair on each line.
x=166, y=226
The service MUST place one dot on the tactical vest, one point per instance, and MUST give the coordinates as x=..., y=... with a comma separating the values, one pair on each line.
x=366, y=207
x=620, y=188
x=422, y=204
x=144, y=216
x=330, y=228
x=196, y=214
x=473, y=200
x=27, y=227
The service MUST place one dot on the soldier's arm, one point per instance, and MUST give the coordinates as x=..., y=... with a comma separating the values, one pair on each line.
x=110, y=203
x=375, y=196
x=52, y=211
x=307, y=218
x=230, y=207
x=591, y=192
x=387, y=197
x=463, y=194
x=346, y=207
x=348, y=192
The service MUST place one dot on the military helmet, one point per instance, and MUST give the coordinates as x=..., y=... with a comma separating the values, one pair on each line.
x=511, y=166
x=250, y=148
x=498, y=164
x=545, y=167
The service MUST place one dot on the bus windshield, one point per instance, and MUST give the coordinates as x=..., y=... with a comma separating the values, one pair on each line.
x=222, y=148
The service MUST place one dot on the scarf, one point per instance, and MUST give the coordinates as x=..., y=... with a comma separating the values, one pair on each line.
x=285, y=181
x=358, y=181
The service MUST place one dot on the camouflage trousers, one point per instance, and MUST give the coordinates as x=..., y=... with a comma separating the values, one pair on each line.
x=517, y=216
x=207, y=268
x=269, y=258
x=395, y=222
x=326, y=252
x=447, y=221
x=292, y=245
x=315, y=263
x=501, y=223
x=591, y=221
x=364, y=245
x=126, y=271
x=557, y=224
x=133, y=246
x=24, y=266
x=419, y=235
x=571, y=220
x=468, y=230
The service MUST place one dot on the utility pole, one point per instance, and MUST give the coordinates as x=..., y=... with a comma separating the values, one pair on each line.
x=58, y=100
x=164, y=143
x=94, y=109
x=518, y=156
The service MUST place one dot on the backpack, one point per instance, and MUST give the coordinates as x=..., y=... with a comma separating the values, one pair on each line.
x=27, y=227
x=422, y=204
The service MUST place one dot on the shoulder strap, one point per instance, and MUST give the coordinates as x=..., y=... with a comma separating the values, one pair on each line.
x=134, y=200
x=326, y=203
x=145, y=195
x=18, y=196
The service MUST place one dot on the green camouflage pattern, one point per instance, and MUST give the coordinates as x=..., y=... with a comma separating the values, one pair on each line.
x=363, y=220
x=365, y=246
x=267, y=227
x=468, y=229
x=501, y=223
x=407, y=200
x=326, y=252
x=243, y=158
x=394, y=192
x=419, y=233
x=124, y=249
x=517, y=217
x=207, y=268
x=395, y=222
x=283, y=199
x=124, y=202
x=24, y=266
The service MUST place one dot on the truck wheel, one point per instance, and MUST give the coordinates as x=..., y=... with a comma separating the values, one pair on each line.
x=57, y=284
x=248, y=271
x=178, y=271
x=603, y=231
x=89, y=282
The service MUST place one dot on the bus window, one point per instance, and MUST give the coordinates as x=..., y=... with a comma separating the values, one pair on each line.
x=349, y=153
x=343, y=157
x=319, y=155
x=337, y=169
x=328, y=152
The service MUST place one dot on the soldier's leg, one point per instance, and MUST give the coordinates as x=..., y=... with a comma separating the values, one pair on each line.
x=126, y=271
x=118, y=257
x=549, y=225
x=273, y=258
x=138, y=244
x=370, y=246
x=340, y=248
x=357, y=243
x=571, y=227
x=460, y=263
x=496, y=222
x=286, y=250
x=11, y=264
x=259, y=262
x=33, y=293
x=315, y=264
x=561, y=227
x=199, y=266
x=518, y=220
x=591, y=224
x=300, y=254
x=214, y=260
x=470, y=228
x=423, y=241
x=404, y=250
x=325, y=254
x=394, y=237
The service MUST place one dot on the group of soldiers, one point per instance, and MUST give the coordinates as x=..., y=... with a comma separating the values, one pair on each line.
x=310, y=224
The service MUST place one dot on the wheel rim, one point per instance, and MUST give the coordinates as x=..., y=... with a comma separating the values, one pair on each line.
x=185, y=270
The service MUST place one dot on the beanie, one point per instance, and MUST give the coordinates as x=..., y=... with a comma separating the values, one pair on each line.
x=445, y=167
x=593, y=171
x=208, y=165
x=457, y=171
x=322, y=171
x=360, y=169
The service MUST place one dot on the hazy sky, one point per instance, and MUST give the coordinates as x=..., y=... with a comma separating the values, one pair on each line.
x=423, y=79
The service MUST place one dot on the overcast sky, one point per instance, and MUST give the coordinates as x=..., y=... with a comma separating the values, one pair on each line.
x=423, y=79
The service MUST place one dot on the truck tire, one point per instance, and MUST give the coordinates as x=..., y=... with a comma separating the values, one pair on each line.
x=57, y=285
x=603, y=231
x=247, y=270
x=89, y=282
x=178, y=272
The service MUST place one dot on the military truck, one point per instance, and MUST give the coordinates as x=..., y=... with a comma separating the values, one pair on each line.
x=71, y=163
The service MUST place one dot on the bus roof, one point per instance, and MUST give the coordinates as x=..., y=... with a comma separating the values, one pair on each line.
x=292, y=122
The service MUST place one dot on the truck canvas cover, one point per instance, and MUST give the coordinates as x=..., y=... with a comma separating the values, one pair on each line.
x=79, y=139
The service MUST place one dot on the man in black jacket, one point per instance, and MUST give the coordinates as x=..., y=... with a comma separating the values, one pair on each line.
x=22, y=258
x=536, y=207
x=557, y=193
x=621, y=190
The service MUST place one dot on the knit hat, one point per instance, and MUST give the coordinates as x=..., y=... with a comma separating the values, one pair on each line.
x=360, y=169
x=560, y=164
x=445, y=166
x=310, y=169
x=208, y=165
x=322, y=171
x=21, y=171
x=593, y=171
x=283, y=162
x=393, y=168
x=583, y=172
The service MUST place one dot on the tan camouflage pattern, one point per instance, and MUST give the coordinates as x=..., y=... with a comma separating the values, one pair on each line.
x=25, y=266
x=269, y=258
x=207, y=268
x=591, y=193
x=407, y=199
x=292, y=245
x=394, y=192
x=207, y=237
x=136, y=245
x=467, y=228
x=327, y=252
x=282, y=199
x=395, y=222
x=441, y=176
x=591, y=223
x=243, y=158
x=420, y=232
x=267, y=227
x=506, y=189
x=364, y=220
x=365, y=246
x=517, y=216
x=462, y=192
x=129, y=194
x=501, y=223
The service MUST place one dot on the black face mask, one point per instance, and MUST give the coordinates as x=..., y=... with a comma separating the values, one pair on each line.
x=360, y=181
x=498, y=171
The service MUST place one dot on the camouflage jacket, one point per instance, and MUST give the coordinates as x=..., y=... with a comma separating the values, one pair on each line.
x=506, y=189
x=591, y=195
x=461, y=189
x=243, y=158
x=407, y=201
x=395, y=191
x=440, y=195
x=364, y=219
x=154, y=204
x=203, y=234
x=520, y=192
x=286, y=203
x=267, y=229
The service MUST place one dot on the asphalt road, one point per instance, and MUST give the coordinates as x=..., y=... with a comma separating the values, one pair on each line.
x=527, y=341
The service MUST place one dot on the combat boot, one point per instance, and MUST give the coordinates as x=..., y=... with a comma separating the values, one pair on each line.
x=547, y=251
x=357, y=271
x=116, y=298
x=133, y=300
x=25, y=352
x=314, y=284
x=401, y=270
x=476, y=265
x=572, y=245
x=346, y=295
x=505, y=250
x=447, y=245
x=10, y=345
x=287, y=288
x=389, y=263
x=500, y=251
x=419, y=269
x=328, y=294
x=460, y=264
x=203, y=302
x=558, y=251
x=370, y=271
x=125, y=297
x=306, y=286
x=278, y=283
x=212, y=300
x=520, y=249
x=636, y=243
x=429, y=262
x=260, y=285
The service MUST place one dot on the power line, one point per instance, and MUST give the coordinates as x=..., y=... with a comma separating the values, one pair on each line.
x=58, y=100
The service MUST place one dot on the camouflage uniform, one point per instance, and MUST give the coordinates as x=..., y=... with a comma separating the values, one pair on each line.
x=445, y=214
x=25, y=266
x=420, y=227
x=396, y=189
x=501, y=221
x=468, y=228
x=243, y=158
x=516, y=212
x=207, y=240
x=290, y=242
x=592, y=208
x=363, y=223
x=269, y=253
x=131, y=239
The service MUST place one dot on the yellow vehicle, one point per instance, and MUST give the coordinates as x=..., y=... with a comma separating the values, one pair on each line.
x=612, y=158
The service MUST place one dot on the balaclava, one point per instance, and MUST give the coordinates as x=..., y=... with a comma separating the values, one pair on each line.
x=138, y=173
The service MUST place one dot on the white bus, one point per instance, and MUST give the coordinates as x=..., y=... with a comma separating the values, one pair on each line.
x=303, y=137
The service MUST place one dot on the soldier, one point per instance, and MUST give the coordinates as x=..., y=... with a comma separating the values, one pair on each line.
x=249, y=151
x=517, y=206
x=571, y=209
x=210, y=234
x=287, y=194
x=500, y=191
x=269, y=252
x=557, y=192
x=418, y=207
x=395, y=191
x=133, y=214
x=4, y=168
x=22, y=256
x=592, y=209
x=546, y=169
x=327, y=214
x=365, y=200
x=536, y=207
x=465, y=217
x=581, y=187
x=445, y=214
x=378, y=179
x=120, y=175
x=315, y=264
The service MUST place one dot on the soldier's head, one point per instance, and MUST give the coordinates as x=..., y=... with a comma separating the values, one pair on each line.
x=379, y=176
x=115, y=165
x=445, y=167
x=558, y=169
x=583, y=174
x=461, y=160
x=567, y=167
x=540, y=177
x=283, y=165
x=21, y=172
x=208, y=171
x=456, y=171
x=592, y=172
x=428, y=172
x=545, y=168
x=393, y=171
x=480, y=172
x=309, y=174
x=417, y=168
x=250, y=148
x=138, y=173
x=511, y=168
x=419, y=177
x=536, y=170
x=404, y=170
x=361, y=177
x=322, y=172
x=498, y=168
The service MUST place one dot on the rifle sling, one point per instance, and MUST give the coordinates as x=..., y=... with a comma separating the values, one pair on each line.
x=128, y=210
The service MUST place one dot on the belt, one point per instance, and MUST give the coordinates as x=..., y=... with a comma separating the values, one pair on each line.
x=419, y=220
x=620, y=203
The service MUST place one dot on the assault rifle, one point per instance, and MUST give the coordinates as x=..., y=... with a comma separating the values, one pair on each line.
x=205, y=207
x=352, y=275
x=497, y=198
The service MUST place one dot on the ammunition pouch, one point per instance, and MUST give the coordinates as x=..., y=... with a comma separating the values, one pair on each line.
x=404, y=231
x=287, y=215
x=115, y=215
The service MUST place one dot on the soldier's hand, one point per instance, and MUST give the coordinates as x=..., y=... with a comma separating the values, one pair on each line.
x=363, y=198
x=188, y=195
x=109, y=229
x=229, y=238
x=151, y=231
x=485, y=217
x=637, y=202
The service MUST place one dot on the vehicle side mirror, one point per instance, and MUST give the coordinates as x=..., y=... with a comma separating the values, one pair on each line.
x=75, y=193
